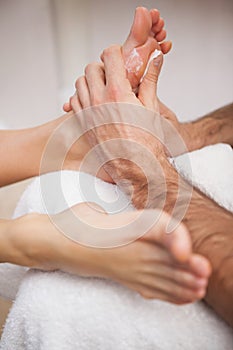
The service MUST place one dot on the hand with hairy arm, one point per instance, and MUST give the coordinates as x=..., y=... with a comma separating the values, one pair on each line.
x=215, y=127
x=209, y=224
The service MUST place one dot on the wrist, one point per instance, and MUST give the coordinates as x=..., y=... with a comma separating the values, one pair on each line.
x=67, y=144
x=192, y=136
x=216, y=127
x=154, y=186
x=55, y=139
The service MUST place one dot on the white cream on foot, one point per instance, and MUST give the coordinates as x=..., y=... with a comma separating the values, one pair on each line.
x=134, y=62
x=154, y=54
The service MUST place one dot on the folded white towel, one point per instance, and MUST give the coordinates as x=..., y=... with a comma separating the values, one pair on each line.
x=60, y=311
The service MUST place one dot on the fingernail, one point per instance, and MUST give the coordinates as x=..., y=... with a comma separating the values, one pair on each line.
x=156, y=57
x=157, y=61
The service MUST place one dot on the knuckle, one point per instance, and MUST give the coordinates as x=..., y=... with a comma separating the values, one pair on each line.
x=111, y=49
x=114, y=92
x=150, y=78
x=95, y=98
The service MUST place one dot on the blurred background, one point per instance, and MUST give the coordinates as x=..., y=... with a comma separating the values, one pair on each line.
x=45, y=45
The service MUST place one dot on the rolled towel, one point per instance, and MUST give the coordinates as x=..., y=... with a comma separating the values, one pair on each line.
x=60, y=311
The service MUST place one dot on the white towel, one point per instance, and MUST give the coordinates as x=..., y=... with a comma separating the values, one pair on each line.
x=60, y=311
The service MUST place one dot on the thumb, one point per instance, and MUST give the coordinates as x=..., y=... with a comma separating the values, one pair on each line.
x=147, y=93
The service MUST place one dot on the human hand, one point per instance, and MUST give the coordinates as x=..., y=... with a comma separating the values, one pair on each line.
x=106, y=85
x=146, y=34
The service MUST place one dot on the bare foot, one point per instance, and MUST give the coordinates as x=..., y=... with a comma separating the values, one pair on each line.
x=157, y=265
x=147, y=34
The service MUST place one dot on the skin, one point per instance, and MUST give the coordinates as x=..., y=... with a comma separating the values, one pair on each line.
x=210, y=225
x=153, y=266
x=54, y=251
x=146, y=27
x=156, y=265
x=146, y=34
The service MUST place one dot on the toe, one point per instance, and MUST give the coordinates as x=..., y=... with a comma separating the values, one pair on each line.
x=155, y=16
x=161, y=35
x=140, y=29
x=158, y=26
x=188, y=280
x=166, y=47
x=200, y=266
x=179, y=243
x=67, y=107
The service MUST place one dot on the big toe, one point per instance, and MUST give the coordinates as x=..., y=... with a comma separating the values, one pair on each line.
x=200, y=266
x=139, y=31
x=177, y=243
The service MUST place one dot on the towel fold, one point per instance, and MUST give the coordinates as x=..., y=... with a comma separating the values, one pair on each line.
x=54, y=310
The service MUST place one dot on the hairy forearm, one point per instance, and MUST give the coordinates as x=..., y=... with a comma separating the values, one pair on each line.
x=210, y=226
x=211, y=229
x=215, y=127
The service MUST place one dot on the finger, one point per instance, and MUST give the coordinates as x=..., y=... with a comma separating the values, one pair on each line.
x=147, y=93
x=95, y=78
x=83, y=92
x=115, y=72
